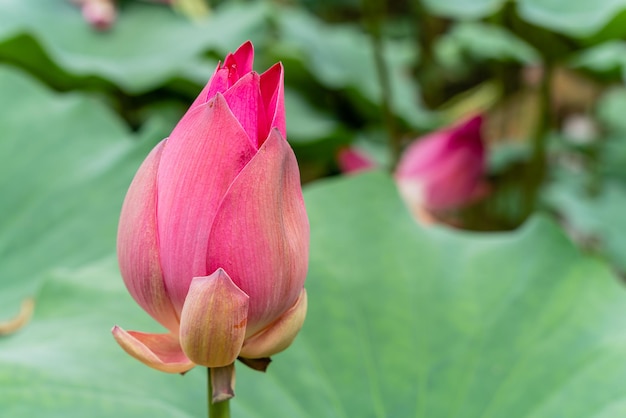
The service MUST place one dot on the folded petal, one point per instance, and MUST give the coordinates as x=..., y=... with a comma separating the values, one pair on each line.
x=244, y=100
x=273, y=93
x=206, y=151
x=261, y=233
x=213, y=320
x=279, y=335
x=137, y=244
x=159, y=351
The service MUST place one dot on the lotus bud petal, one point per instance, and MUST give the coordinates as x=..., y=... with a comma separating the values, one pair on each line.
x=159, y=351
x=100, y=14
x=443, y=170
x=213, y=238
x=213, y=321
x=278, y=335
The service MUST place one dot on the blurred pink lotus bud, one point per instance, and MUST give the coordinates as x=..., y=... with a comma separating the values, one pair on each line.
x=351, y=160
x=213, y=236
x=100, y=14
x=443, y=170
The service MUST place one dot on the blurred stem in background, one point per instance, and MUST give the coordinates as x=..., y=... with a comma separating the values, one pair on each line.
x=374, y=13
x=537, y=167
x=428, y=28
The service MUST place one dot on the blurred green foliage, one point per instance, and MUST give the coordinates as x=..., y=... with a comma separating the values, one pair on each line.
x=405, y=320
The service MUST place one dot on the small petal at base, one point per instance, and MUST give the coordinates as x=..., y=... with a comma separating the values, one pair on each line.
x=279, y=335
x=213, y=320
x=159, y=351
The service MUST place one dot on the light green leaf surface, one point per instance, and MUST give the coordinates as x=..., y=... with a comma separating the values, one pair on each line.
x=148, y=46
x=403, y=322
x=480, y=42
x=460, y=9
x=65, y=163
x=578, y=18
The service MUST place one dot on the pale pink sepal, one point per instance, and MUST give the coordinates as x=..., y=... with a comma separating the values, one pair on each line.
x=213, y=320
x=279, y=335
x=159, y=351
x=203, y=156
x=137, y=244
x=222, y=383
x=261, y=233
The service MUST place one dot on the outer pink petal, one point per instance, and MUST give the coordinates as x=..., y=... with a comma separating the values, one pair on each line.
x=137, y=244
x=204, y=154
x=453, y=184
x=159, y=351
x=213, y=321
x=244, y=100
x=424, y=155
x=273, y=93
x=279, y=335
x=218, y=83
x=261, y=233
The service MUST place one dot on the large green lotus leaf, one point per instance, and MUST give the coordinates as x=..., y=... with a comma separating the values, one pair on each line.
x=406, y=322
x=579, y=18
x=402, y=322
x=148, y=46
x=460, y=9
x=65, y=363
x=65, y=163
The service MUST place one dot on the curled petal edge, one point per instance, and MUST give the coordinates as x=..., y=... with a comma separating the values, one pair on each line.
x=159, y=351
x=279, y=335
x=20, y=320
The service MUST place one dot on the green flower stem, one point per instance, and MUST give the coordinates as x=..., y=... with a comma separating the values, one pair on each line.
x=217, y=409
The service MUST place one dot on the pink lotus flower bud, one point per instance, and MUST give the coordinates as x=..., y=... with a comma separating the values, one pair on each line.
x=351, y=161
x=213, y=236
x=100, y=14
x=443, y=170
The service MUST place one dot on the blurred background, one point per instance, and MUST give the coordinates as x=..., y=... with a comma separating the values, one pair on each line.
x=375, y=75
x=88, y=87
